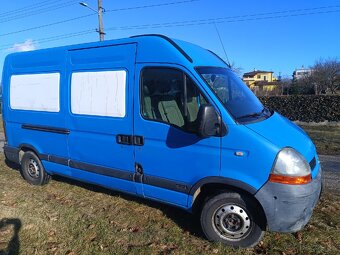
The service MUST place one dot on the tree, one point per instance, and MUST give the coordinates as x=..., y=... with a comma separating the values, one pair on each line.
x=284, y=84
x=236, y=69
x=325, y=76
x=304, y=85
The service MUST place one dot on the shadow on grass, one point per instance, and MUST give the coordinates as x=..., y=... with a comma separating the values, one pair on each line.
x=187, y=221
x=13, y=245
x=12, y=165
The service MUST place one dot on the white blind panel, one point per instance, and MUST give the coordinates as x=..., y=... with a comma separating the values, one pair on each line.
x=35, y=92
x=99, y=93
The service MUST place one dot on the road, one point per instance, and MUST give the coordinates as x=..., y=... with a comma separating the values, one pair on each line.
x=330, y=166
x=331, y=172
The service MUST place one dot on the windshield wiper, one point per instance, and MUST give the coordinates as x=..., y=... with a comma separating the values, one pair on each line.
x=253, y=115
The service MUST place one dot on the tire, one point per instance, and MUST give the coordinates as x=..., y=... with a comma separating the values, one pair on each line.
x=233, y=219
x=32, y=170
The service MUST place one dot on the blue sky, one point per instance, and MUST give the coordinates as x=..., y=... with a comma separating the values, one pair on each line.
x=279, y=44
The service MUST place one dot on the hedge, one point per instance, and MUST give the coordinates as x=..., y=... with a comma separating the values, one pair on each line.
x=306, y=108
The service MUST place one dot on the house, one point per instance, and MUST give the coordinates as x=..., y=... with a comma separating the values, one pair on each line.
x=261, y=82
x=301, y=73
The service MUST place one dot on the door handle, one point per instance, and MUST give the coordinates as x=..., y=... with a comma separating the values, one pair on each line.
x=124, y=139
x=130, y=140
x=138, y=140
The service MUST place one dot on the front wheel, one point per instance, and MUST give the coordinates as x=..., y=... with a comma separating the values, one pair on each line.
x=233, y=219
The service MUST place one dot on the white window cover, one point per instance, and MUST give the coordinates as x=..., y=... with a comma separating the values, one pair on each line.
x=99, y=93
x=36, y=92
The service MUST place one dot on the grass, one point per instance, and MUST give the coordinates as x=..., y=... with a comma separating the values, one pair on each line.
x=67, y=217
x=325, y=138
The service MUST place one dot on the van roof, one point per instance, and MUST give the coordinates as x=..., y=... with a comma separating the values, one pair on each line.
x=151, y=48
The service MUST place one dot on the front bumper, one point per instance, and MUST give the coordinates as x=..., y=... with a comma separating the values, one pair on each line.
x=288, y=208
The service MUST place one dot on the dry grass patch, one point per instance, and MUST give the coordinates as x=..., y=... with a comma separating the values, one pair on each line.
x=325, y=138
x=67, y=217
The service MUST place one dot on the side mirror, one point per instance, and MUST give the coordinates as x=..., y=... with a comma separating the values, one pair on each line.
x=209, y=122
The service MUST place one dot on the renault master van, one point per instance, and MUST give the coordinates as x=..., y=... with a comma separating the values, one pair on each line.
x=165, y=120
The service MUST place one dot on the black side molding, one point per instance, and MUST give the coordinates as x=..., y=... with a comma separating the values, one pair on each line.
x=166, y=184
x=63, y=131
x=138, y=177
x=12, y=154
x=101, y=170
x=55, y=159
x=171, y=42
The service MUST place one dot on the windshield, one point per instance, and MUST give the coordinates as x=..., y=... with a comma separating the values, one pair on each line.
x=238, y=99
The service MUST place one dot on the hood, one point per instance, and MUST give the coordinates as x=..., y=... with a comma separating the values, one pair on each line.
x=284, y=133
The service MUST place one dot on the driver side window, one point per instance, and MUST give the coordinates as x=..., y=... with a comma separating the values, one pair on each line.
x=168, y=95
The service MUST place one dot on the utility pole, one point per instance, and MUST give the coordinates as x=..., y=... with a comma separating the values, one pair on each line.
x=100, y=20
x=99, y=12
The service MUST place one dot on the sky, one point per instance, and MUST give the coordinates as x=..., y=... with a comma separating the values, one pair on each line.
x=277, y=36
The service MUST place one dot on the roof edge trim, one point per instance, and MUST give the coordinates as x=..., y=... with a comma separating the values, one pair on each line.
x=171, y=42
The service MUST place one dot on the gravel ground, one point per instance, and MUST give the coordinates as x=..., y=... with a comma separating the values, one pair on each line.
x=330, y=166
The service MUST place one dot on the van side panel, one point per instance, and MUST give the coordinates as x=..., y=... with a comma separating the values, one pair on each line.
x=94, y=127
x=36, y=128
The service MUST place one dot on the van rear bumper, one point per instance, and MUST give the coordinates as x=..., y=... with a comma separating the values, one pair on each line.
x=288, y=208
x=12, y=154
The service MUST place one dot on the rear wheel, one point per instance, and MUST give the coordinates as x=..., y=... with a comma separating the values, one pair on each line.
x=32, y=170
x=233, y=219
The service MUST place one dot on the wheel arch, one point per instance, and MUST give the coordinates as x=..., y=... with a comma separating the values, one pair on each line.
x=28, y=147
x=211, y=186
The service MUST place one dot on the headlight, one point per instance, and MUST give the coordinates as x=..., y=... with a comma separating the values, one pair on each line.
x=290, y=168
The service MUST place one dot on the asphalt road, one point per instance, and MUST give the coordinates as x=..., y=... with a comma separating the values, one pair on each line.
x=331, y=172
x=330, y=166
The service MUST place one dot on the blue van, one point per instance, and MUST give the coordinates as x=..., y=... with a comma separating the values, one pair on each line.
x=165, y=120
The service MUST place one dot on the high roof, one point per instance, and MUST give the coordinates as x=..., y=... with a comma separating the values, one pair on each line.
x=151, y=49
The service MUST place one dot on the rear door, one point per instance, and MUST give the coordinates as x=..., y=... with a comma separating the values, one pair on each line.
x=100, y=120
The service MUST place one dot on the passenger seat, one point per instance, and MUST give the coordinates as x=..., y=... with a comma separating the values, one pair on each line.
x=170, y=112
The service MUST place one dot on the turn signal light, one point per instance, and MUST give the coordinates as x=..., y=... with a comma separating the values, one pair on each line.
x=290, y=179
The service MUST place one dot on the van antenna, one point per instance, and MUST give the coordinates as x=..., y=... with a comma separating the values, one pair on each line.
x=225, y=52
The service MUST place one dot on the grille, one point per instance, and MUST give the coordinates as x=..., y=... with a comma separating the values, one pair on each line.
x=312, y=163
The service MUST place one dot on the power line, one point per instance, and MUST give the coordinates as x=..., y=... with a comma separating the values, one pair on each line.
x=85, y=16
x=213, y=20
x=33, y=12
x=54, y=38
x=67, y=4
x=48, y=25
x=151, y=5
x=229, y=19
x=216, y=20
x=31, y=6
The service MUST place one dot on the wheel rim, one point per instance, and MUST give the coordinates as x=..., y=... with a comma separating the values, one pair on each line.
x=231, y=222
x=33, y=169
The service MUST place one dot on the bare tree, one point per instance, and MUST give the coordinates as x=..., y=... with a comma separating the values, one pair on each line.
x=284, y=84
x=325, y=76
x=304, y=85
x=236, y=69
